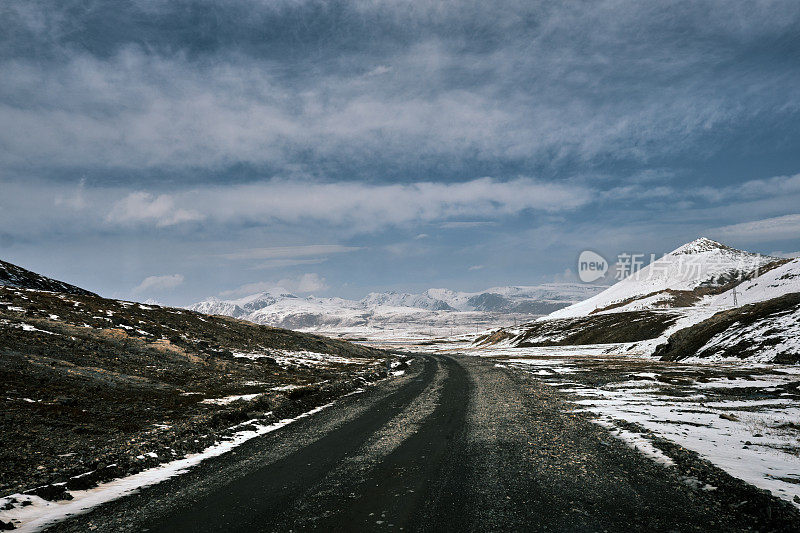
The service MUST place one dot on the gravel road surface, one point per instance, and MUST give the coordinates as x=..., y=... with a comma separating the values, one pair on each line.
x=455, y=444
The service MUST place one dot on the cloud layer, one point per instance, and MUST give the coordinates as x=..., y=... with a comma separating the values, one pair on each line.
x=362, y=86
x=156, y=284
x=385, y=144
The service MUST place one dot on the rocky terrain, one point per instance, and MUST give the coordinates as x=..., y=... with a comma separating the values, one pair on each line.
x=94, y=389
x=14, y=276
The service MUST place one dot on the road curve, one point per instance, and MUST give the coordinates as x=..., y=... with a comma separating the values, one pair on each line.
x=455, y=445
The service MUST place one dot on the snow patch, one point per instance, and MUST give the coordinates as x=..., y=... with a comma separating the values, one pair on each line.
x=42, y=513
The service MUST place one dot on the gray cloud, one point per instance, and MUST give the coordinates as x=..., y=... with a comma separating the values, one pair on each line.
x=528, y=86
x=155, y=284
x=283, y=263
x=466, y=224
x=304, y=283
x=290, y=252
x=146, y=207
x=203, y=128
x=361, y=206
x=765, y=230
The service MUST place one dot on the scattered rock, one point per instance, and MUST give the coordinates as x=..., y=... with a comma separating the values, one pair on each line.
x=82, y=482
x=51, y=493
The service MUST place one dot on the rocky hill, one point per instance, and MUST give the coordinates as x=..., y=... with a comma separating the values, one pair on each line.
x=16, y=276
x=93, y=388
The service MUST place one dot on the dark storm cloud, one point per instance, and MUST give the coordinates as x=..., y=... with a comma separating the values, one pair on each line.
x=404, y=90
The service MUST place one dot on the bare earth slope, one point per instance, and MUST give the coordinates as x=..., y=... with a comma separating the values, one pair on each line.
x=89, y=384
x=628, y=327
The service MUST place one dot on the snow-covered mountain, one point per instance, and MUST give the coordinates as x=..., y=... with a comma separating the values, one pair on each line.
x=703, y=300
x=686, y=276
x=432, y=309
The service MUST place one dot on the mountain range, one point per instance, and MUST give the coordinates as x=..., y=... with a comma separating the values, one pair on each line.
x=433, y=309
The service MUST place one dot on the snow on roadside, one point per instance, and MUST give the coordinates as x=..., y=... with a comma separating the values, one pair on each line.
x=762, y=463
x=637, y=442
x=742, y=419
x=300, y=357
x=42, y=513
x=230, y=399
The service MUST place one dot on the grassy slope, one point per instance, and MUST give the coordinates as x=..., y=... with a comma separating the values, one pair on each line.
x=631, y=326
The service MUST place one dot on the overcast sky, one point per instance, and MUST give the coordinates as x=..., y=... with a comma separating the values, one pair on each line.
x=177, y=150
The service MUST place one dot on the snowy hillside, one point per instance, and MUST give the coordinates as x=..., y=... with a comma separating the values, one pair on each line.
x=432, y=309
x=678, y=279
x=766, y=331
x=715, y=303
x=784, y=279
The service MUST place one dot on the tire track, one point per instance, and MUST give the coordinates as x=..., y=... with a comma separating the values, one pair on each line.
x=259, y=500
x=418, y=485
